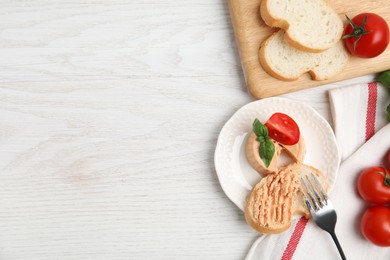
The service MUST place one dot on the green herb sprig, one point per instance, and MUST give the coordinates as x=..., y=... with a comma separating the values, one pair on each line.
x=384, y=78
x=267, y=147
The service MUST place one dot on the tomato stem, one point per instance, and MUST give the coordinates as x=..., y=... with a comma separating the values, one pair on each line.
x=358, y=31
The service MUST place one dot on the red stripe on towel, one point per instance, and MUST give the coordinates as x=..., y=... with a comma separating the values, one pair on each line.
x=294, y=239
x=371, y=109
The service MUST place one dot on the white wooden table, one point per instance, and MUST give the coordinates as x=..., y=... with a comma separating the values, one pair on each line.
x=109, y=117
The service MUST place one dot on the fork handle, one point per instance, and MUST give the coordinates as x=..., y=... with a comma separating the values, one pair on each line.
x=336, y=241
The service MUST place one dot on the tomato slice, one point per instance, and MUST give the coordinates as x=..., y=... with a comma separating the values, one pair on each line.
x=283, y=129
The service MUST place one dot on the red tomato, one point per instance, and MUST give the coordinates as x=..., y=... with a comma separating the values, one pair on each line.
x=373, y=184
x=375, y=225
x=283, y=129
x=374, y=35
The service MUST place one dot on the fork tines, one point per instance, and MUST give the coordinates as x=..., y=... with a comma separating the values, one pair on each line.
x=315, y=196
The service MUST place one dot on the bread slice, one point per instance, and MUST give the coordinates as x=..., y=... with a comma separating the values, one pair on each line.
x=296, y=152
x=311, y=25
x=284, y=62
x=277, y=198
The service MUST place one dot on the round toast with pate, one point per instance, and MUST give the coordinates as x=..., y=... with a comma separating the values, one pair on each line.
x=275, y=200
x=296, y=152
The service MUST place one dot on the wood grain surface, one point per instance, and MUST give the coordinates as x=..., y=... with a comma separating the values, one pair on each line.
x=109, y=116
x=250, y=31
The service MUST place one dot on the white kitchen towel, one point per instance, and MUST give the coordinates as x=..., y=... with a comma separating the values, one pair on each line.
x=358, y=112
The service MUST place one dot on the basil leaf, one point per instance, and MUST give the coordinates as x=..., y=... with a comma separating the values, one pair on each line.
x=384, y=78
x=261, y=139
x=259, y=129
x=388, y=112
x=266, y=151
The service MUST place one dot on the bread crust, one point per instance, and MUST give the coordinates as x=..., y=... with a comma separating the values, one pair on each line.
x=269, y=19
x=265, y=63
x=297, y=45
x=283, y=24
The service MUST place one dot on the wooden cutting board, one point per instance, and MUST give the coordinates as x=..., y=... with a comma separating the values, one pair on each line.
x=250, y=30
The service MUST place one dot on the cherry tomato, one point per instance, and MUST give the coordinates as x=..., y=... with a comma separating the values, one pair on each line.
x=367, y=35
x=375, y=225
x=374, y=185
x=283, y=129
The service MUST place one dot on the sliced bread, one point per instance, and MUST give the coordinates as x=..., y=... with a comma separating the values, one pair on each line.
x=311, y=25
x=277, y=198
x=284, y=62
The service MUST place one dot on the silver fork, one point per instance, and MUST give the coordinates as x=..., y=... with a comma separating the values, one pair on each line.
x=320, y=207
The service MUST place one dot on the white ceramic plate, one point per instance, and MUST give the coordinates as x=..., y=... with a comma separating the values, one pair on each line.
x=235, y=174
